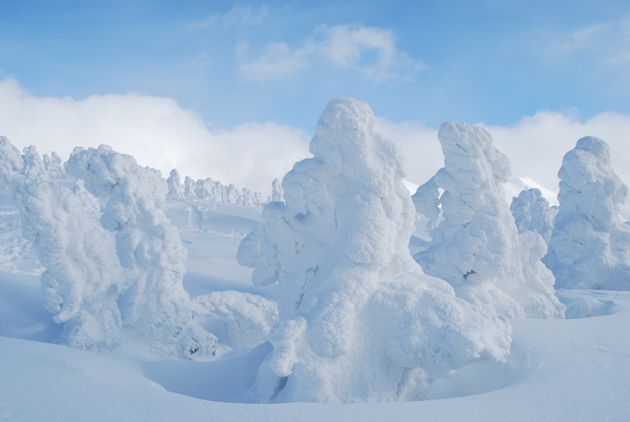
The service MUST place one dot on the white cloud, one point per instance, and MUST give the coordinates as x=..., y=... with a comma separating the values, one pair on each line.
x=372, y=51
x=536, y=144
x=238, y=16
x=580, y=37
x=161, y=134
x=155, y=130
x=419, y=146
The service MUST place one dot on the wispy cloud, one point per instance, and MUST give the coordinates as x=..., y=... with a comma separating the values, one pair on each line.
x=370, y=50
x=239, y=15
x=607, y=41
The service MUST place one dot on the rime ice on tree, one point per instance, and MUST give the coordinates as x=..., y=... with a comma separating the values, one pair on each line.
x=475, y=245
x=590, y=244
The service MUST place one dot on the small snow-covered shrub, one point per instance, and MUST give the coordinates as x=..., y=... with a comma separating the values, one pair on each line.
x=474, y=242
x=174, y=184
x=590, y=242
x=532, y=213
x=358, y=318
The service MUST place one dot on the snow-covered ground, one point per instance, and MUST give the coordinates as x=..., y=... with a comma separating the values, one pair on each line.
x=574, y=369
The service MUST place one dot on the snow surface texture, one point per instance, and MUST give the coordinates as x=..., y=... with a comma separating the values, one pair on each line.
x=532, y=213
x=113, y=260
x=359, y=320
x=474, y=242
x=590, y=242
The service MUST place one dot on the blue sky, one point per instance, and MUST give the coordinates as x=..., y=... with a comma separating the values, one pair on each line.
x=233, y=90
x=488, y=61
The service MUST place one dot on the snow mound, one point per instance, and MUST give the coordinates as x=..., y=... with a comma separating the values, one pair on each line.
x=586, y=303
x=590, y=242
x=474, y=241
x=358, y=319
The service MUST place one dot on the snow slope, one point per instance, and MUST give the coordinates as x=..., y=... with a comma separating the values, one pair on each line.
x=571, y=370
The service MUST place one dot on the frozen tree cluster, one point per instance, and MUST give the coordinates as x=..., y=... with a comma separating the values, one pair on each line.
x=211, y=191
x=358, y=318
x=114, y=261
x=475, y=245
x=590, y=242
x=343, y=311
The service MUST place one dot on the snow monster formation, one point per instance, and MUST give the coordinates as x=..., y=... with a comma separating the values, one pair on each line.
x=82, y=281
x=590, y=242
x=358, y=319
x=114, y=261
x=532, y=213
x=474, y=244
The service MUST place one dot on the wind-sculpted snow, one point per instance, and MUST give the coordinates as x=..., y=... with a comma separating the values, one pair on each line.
x=359, y=320
x=590, y=242
x=474, y=241
x=532, y=212
x=114, y=262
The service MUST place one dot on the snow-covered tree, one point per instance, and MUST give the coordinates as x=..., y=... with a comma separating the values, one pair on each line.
x=53, y=164
x=359, y=319
x=83, y=278
x=189, y=186
x=590, y=244
x=475, y=245
x=174, y=183
x=532, y=212
x=147, y=244
x=276, y=191
x=10, y=162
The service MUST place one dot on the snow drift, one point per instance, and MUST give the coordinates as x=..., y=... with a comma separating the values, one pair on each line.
x=474, y=241
x=590, y=242
x=359, y=320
